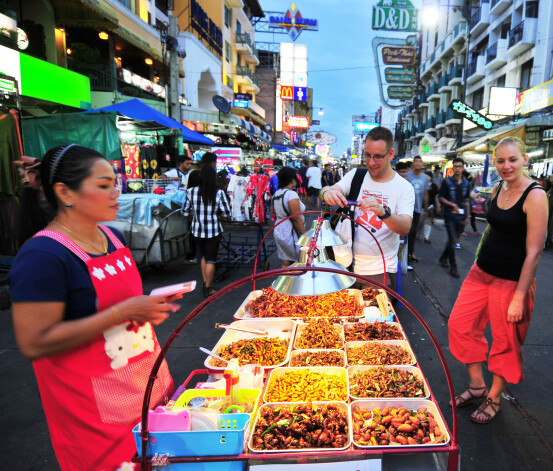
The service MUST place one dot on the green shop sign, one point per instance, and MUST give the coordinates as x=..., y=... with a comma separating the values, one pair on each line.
x=395, y=15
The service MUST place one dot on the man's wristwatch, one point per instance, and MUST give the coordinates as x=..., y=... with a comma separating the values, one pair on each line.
x=387, y=213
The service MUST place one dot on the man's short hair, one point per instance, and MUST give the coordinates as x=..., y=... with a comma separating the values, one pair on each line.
x=381, y=133
x=305, y=162
x=327, y=165
x=417, y=157
x=400, y=166
x=458, y=159
x=183, y=158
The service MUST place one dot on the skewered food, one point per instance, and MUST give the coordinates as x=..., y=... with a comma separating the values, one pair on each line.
x=304, y=385
x=395, y=426
x=319, y=333
x=385, y=382
x=373, y=331
x=375, y=353
x=322, y=358
x=273, y=304
x=300, y=426
x=259, y=351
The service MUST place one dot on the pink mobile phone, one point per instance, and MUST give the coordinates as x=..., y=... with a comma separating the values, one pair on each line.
x=174, y=289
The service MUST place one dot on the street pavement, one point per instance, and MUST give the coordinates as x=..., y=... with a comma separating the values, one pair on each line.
x=519, y=439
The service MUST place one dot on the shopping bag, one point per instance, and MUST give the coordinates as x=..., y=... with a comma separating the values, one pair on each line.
x=343, y=254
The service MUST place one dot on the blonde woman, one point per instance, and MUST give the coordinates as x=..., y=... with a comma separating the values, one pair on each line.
x=501, y=285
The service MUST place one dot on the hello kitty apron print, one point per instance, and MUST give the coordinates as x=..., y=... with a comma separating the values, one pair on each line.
x=93, y=395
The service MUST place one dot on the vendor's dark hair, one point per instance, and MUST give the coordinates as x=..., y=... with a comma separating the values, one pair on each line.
x=183, y=158
x=71, y=165
x=285, y=176
x=208, y=179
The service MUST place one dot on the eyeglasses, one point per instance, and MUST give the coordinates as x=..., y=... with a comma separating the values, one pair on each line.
x=376, y=158
x=458, y=166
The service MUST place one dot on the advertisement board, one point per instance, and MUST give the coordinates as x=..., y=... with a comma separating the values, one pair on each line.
x=395, y=15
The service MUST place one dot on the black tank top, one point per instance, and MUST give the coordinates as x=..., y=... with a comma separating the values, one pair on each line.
x=504, y=249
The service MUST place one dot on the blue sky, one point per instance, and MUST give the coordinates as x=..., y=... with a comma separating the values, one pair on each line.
x=341, y=67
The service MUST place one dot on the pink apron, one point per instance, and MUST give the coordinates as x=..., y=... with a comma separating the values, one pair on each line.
x=92, y=395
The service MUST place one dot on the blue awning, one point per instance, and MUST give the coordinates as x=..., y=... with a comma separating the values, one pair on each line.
x=281, y=148
x=139, y=110
x=254, y=130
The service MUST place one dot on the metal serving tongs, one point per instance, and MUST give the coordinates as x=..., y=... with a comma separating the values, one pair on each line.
x=264, y=333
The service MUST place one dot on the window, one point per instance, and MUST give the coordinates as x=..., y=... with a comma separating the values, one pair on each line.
x=505, y=28
x=228, y=52
x=532, y=8
x=228, y=17
x=238, y=27
x=478, y=99
x=501, y=81
x=526, y=75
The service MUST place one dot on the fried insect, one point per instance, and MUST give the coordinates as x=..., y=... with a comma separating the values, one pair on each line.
x=306, y=386
x=375, y=353
x=395, y=426
x=372, y=331
x=273, y=304
x=385, y=382
x=258, y=351
x=369, y=295
x=319, y=333
x=333, y=358
x=299, y=427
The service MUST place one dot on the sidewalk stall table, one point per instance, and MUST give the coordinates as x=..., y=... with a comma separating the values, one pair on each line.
x=340, y=384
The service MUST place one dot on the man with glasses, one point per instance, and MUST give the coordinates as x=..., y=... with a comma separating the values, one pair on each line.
x=455, y=198
x=385, y=205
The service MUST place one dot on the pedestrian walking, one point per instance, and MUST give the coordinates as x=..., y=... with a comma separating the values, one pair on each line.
x=286, y=202
x=314, y=184
x=454, y=196
x=80, y=316
x=420, y=183
x=206, y=204
x=501, y=286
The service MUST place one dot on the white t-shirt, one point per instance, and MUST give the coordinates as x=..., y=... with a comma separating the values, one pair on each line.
x=315, y=177
x=175, y=172
x=399, y=196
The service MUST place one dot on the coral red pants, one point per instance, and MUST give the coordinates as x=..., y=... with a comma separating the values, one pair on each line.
x=485, y=299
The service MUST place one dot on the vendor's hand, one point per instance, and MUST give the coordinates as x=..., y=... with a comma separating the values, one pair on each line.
x=154, y=309
x=514, y=313
x=370, y=203
x=334, y=197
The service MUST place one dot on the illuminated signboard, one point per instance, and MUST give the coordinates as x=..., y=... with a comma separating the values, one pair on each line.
x=207, y=28
x=7, y=86
x=472, y=115
x=395, y=15
x=297, y=121
x=300, y=93
x=361, y=126
x=240, y=103
x=293, y=22
x=286, y=92
x=143, y=83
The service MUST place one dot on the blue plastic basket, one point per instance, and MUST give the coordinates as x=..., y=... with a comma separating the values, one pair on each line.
x=230, y=439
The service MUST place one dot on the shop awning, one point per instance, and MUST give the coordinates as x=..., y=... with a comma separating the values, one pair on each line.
x=138, y=110
x=255, y=130
x=516, y=131
x=281, y=148
x=85, y=13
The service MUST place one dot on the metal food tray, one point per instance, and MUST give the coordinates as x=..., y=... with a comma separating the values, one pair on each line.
x=401, y=343
x=273, y=405
x=411, y=369
x=242, y=313
x=277, y=372
x=281, y=328
x=395, y=324
x=301, y=327
x=410, y=404
x=296, y=353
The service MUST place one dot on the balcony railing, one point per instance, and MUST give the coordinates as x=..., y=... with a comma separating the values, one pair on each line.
x=491, y=53
x=433, y=89
x=101, y=78
x=515, y=35
x=440, y=117
x=244, y=38
x=450, y=114
x=456, y=71
x=431, y=123
x=475, y=17
x=471, y=68
x=459, y=27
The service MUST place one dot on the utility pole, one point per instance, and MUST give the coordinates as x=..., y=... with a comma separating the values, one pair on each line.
x=173, y=91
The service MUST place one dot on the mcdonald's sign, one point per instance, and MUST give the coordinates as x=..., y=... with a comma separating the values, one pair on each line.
x=286, y=92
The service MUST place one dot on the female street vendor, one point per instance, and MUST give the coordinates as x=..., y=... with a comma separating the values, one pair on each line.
x=79, y=314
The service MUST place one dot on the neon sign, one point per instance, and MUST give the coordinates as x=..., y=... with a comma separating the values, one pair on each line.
x=297, y=121
x=472, y=115
x=293, y=22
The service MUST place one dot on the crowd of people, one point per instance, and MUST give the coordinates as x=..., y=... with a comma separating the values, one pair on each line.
x=80, y=315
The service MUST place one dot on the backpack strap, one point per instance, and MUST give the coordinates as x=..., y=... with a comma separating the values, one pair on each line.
x=356, y=183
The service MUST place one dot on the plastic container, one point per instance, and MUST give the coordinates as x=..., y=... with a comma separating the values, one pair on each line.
x=276, y=328
x=410, y=404
x=350, y=325
x=401, y=343
x=242, y=313
x=230, y=439
x=411, y=369
x=278, y=372
x=301, y=327
x=297, y=353
x=247, y=396
x=342, y=406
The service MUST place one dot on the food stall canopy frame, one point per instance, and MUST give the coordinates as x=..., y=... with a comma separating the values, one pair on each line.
x=139, y=110
x=95, y=131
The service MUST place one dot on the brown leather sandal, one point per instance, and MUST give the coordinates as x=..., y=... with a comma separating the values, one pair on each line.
x=462, y=399
x=488, y=403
